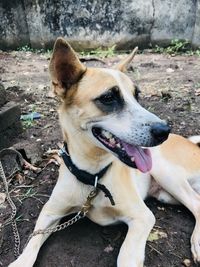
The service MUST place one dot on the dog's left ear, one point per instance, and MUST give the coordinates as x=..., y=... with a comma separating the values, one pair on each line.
x=65, y=68
x=122, y=65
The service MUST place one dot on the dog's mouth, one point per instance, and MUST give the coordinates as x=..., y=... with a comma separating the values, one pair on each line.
x=133, y=156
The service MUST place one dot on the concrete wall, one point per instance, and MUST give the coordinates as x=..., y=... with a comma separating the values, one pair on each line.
x=94, y=23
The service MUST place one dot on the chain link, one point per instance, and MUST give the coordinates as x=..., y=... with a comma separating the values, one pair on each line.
x=80, y=215
x=11, y=220
x=59, y=227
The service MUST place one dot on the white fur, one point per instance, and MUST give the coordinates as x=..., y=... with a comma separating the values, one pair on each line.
x=194, y=139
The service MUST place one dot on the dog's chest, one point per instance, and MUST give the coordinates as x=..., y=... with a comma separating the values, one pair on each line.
x=142, y=182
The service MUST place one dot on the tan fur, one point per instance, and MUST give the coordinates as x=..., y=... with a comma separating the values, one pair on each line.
x=176, y=163
x=122, y=66
x=185, y=153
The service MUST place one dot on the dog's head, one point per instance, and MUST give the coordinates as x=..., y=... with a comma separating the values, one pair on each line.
x=102, y=105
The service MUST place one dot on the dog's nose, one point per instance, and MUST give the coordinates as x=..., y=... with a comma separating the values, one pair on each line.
x=160, y=132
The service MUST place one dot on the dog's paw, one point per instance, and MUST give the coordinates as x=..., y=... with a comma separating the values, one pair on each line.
x=195, y=246
x=20, y=262
x=15, y=264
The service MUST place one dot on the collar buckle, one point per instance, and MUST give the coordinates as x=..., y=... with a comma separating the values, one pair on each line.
x=96, y=181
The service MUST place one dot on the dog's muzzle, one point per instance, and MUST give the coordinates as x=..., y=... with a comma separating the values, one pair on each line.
x=160, y=132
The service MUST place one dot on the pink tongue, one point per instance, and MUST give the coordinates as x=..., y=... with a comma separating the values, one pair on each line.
x=142, y=156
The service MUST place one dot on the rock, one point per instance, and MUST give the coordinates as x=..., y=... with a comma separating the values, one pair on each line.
x=10, y=125
x=2, y=95
x=13, y=24
x=9, y=114
x=173, y=20
x=31, y=151
x=90, y=24
x=196, y=33
x=169, y=70
x=2, y=198
x=7, y=135
x=187, y=262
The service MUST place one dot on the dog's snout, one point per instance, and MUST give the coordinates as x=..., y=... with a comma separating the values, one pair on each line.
x=160, y=132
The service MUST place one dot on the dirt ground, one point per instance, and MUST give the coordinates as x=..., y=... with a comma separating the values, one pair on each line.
x=170, y=88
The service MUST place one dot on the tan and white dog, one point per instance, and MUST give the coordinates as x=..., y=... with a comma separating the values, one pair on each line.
x=102, y=122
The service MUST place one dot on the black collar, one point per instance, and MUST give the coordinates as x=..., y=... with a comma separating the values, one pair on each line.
x=83, y=176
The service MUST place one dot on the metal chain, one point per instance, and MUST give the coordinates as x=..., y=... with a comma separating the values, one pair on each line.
x=81, y=214
x=57, y=228
x=11, y=219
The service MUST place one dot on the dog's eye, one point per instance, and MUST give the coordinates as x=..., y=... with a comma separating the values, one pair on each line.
x=107, y=98
x=110, y=96
x=137, y=93
x=110, y=100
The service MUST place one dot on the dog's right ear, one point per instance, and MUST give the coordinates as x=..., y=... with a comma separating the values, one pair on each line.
x=122, y=65
x=65, y=68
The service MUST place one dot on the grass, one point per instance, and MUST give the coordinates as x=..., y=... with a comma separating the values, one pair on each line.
x=177, y=47
x=30, y=193
x=27, y=124
x=27, y=48
x=100, y=52
x=197, y=85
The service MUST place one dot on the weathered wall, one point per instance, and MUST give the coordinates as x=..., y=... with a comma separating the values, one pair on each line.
x=94, y=23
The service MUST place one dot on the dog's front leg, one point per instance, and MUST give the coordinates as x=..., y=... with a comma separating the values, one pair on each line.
x=133, y=249
x=59, y=205
x=176, y=184
x=29, y=255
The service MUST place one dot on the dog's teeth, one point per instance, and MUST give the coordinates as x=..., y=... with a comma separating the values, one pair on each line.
x=107, y=134
x=118, y=145
x=110, y=135
x=112, y=141
x=104, y=132
x=132, y=159
x=123, y=148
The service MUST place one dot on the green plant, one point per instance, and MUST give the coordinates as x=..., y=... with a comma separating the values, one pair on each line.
x=176, y=47
x=25, y=48
x=27, y=124
x=197, y=52
x=197, y=85
x=100, y=52
x=28, y=48
x=158, y=49
x=29, y=193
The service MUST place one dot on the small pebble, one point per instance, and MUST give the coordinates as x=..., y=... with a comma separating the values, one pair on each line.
x=187, y=262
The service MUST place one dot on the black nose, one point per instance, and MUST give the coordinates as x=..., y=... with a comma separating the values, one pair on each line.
x=160, y=132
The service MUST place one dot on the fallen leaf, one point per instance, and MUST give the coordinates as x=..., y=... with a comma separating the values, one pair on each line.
x=197, y=92
x=169, y=70
x=108, y=249
x=187, y=262
x=19, y=178
x=156, y=235
x=2, y=198
x=160, y=208
x=51, y=94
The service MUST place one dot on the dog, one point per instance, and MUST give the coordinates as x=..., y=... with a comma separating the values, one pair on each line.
x=104, y=126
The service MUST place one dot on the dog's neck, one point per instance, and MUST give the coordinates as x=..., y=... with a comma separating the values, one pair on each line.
x=84, y=154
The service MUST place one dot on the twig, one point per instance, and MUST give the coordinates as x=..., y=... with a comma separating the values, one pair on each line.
x=29, y=166
x=21, y=186
x=160, y=253
x=43, y=195
x=85, y=59
x=175, y=255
